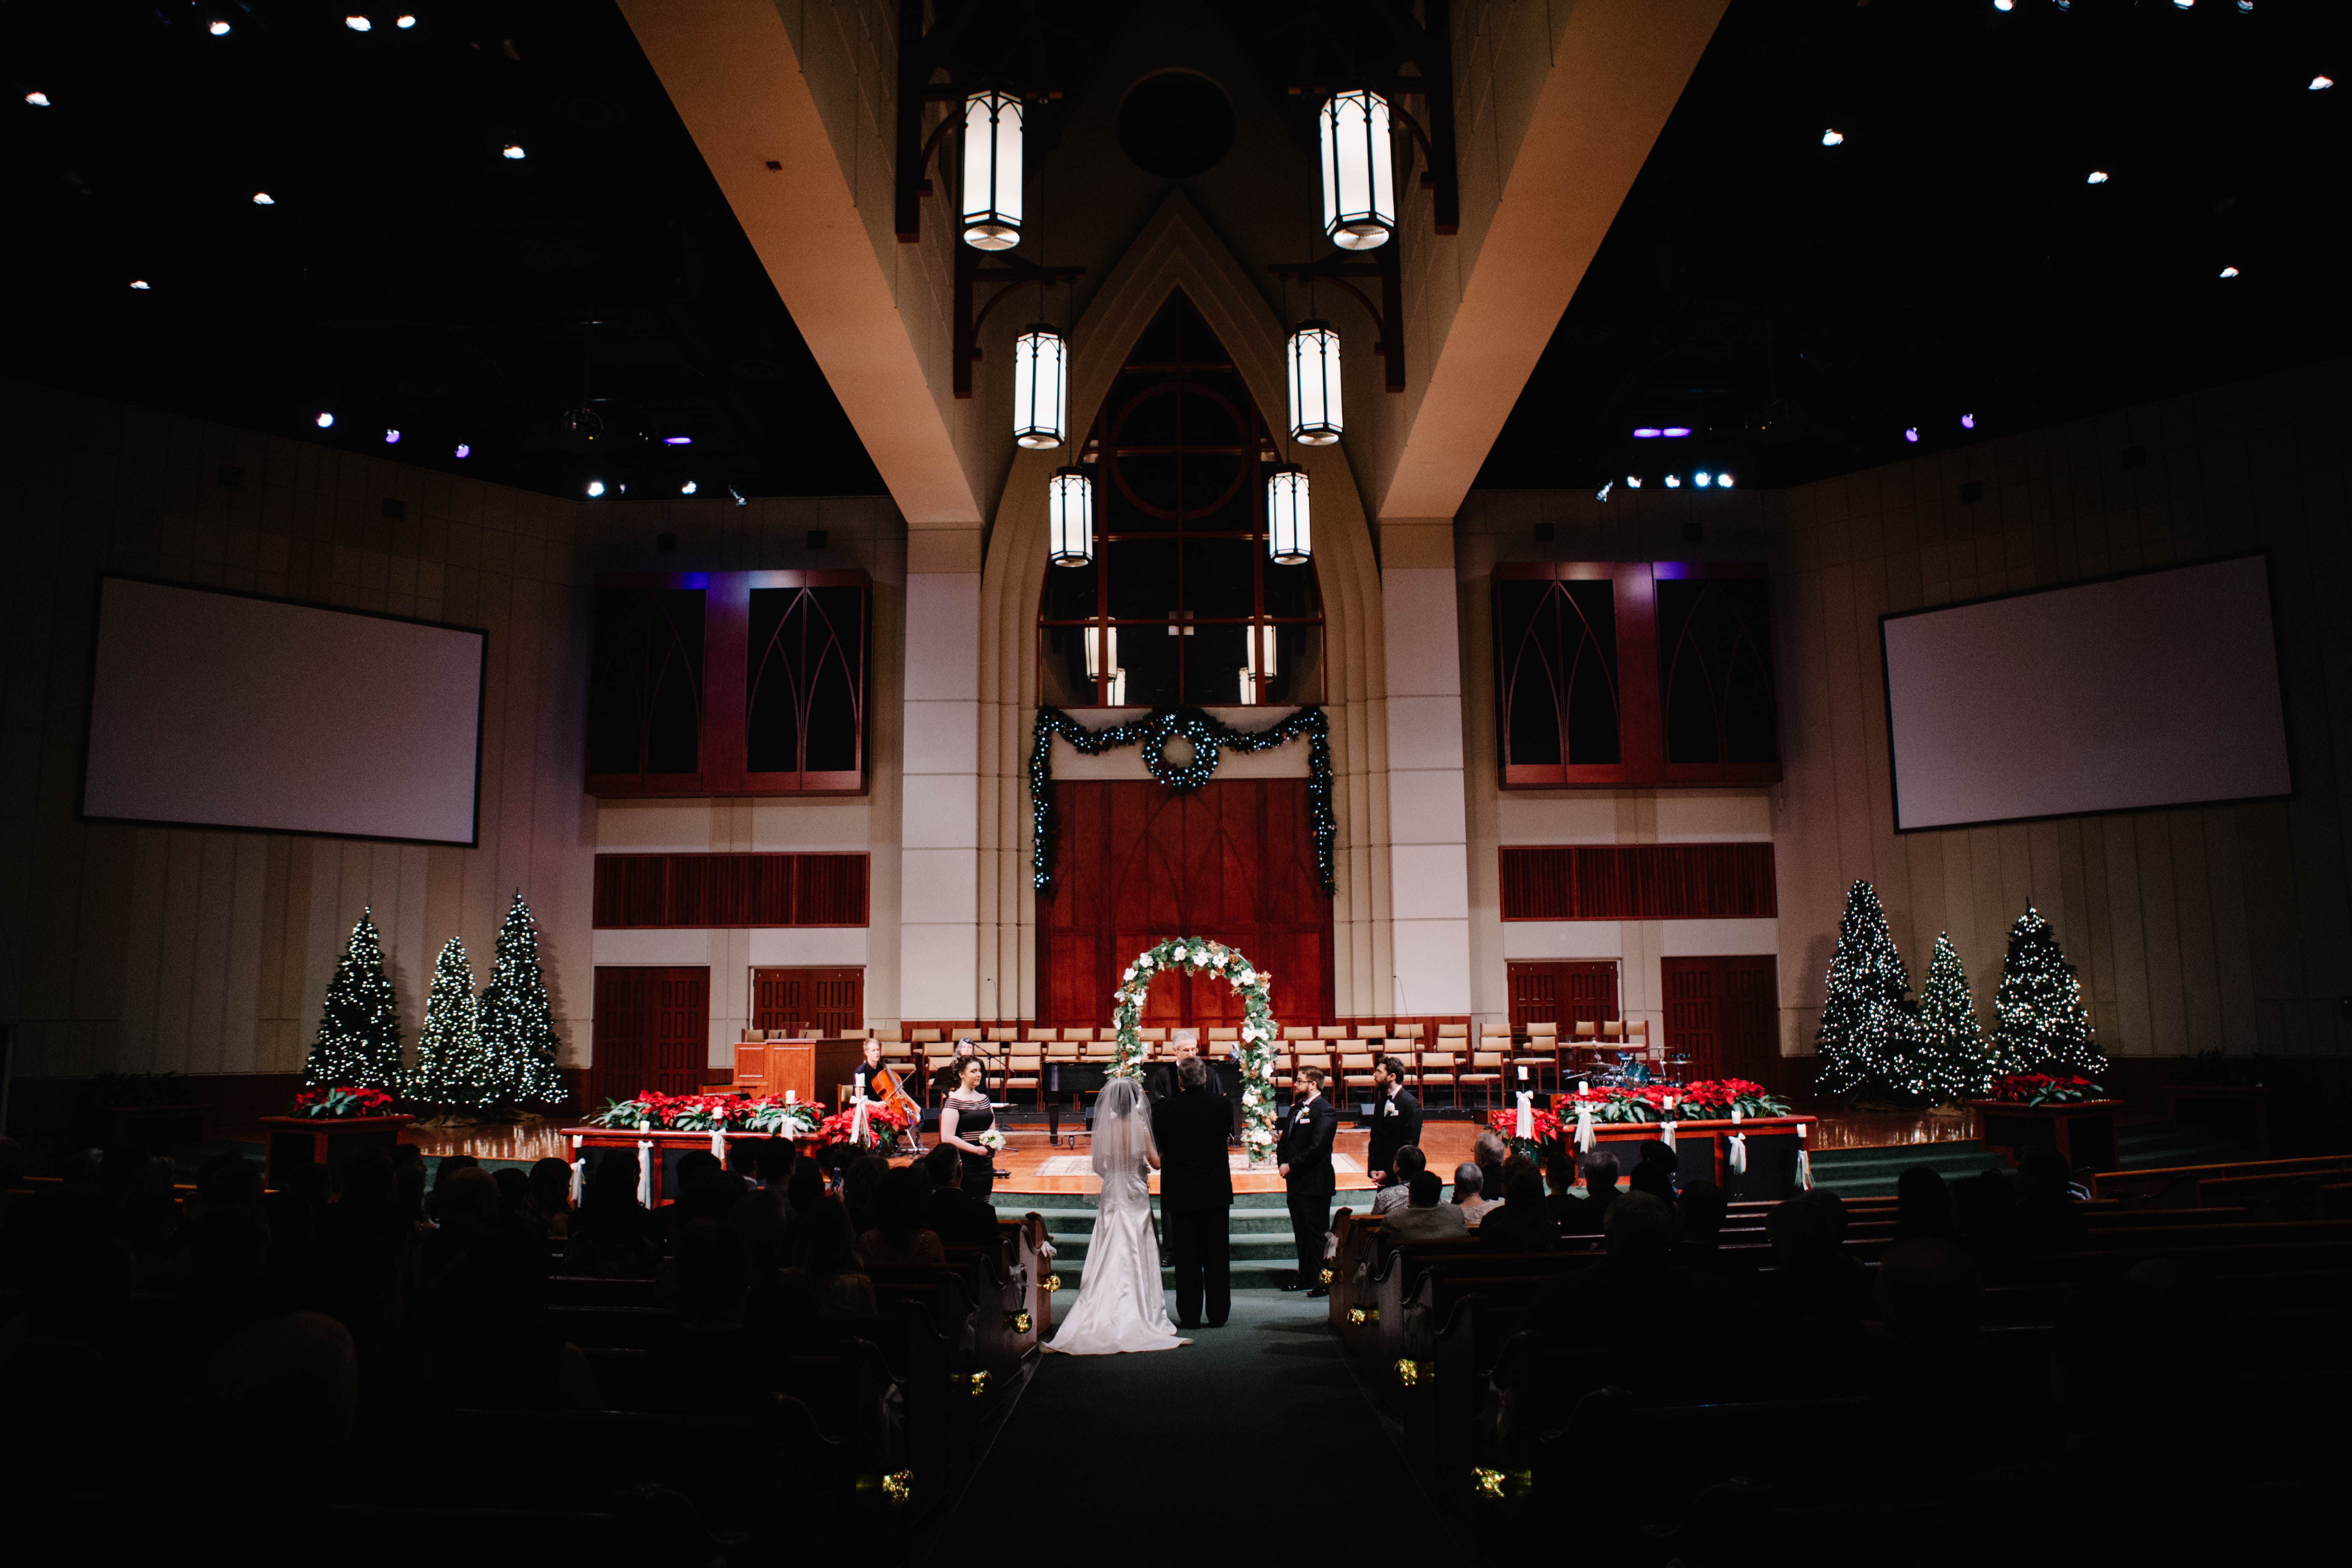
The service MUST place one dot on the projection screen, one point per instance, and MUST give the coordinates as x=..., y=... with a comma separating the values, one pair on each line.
x=2157, y=689
x=226, y=710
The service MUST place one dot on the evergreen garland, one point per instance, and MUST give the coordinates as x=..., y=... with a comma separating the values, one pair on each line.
x=1864, y=1017
x=519, y=1042
x=2039, y=1022
x=1947, y=1061
x=450, y=1067
x=359, y=1030
x=1209, y=736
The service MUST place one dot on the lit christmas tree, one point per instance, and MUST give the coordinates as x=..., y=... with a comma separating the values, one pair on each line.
x=518, y=1036
x=1865, y=1018
x=2039, y=1022
x=1947, y=1061
x=450, y=1068
x=359, y=1031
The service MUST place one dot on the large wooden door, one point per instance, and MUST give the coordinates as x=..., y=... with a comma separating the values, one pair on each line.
x=1563, y=992
x=1724, y=1014
x=652, y=1030
x=830, y=1003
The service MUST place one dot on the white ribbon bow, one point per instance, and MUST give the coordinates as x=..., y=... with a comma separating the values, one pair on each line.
x=1666, y=1130
x=1738, y=1145
x=1526, y=1128
x=719, y=1144
x=1804, y=1162
x=1584, y=1139
x=579, y=1170
x=645, y=1172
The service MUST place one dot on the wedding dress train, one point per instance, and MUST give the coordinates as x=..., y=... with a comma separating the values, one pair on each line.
x=1120, y=1306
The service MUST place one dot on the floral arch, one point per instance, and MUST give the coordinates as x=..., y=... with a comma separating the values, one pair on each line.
x=1193, y=954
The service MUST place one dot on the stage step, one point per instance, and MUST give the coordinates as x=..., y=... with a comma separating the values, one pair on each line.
x=1261, y=1250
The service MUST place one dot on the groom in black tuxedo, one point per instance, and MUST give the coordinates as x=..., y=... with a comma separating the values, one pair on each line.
x=1196, y=1192
x=1396, y=1122
x=1304, y=1153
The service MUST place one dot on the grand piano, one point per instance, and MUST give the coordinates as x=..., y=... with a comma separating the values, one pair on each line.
x=1076, y=1079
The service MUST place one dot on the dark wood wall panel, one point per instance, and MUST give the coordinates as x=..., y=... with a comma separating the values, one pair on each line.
x=652, y=1030
x=830, y=1003
x=1723, y=1013
x=1637, y=881
x=637, y=891
x=1563, y=991
x=1137, y=863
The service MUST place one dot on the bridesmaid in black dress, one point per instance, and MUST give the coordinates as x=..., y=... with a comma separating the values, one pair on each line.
x=963, y=1117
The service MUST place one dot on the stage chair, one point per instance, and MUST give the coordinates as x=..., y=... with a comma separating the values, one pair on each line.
x=1331, y=1031
x=1028, y=1072
x=1435, y=1069
x=1614, y=1030
x=925, y=1036
x=891, y=1035
x=1485, y=1073
x=1038, y=1034
x=1356, y=1069
x=1373, y=1031
x=1151, y=1033
x=1299, y=1031
x=999, y=1034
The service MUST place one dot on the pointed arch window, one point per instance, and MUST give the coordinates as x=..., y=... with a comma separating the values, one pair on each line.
x=1180, y=594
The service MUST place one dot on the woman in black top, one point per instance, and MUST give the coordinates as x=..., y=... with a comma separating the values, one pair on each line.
x=963, y=1117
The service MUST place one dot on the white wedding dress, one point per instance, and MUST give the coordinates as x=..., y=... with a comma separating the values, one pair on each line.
x=1120, y=1306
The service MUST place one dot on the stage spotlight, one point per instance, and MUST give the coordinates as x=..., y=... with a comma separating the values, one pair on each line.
x=37, y=99
x=687, y=489
x=1702, y=478
x=2004, y=5
x=595, y=488
x=358, y=24
x=1603, y=493
x=1674, y=432
x=391, y=437
x=677, y=440
x=324, y=421
x=264, y=199
x=1673, y=483
x=1912, y=435
x=1645, y=433
x=512, y=154
x=1833, y=138
x=2183, y=4
x=2321, y=83
x=738, y=495
x=406, y=23
x=217, y=28
x=1723, y=481
x=1967, y=421
x=1633, y=482
x=464, y=450
x=140, y=284
x=2228, y=272
x=2097, y=177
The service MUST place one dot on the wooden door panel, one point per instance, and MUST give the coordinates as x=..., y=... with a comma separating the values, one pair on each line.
x=1723, y=1013
x=832, y=1002
x=652, y=1030
x=1566, y=992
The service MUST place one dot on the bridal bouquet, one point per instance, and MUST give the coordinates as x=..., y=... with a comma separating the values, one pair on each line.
x=992, y=1141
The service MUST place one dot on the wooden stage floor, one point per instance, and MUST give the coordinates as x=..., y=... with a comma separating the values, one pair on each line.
x=1023, y=1167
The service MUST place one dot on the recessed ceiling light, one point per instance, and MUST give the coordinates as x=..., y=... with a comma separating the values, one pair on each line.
x=358, y=24
x=677, y=440
x=37, y=99
x=1633, y=482
x=264, y=199
x=1702, y=478
x=2183, y=4
x=2321, y=83
x=1912, y=435
x=2096, y=177
x=324, y=421
x=464, y=450
x=1723, y=481
x=513, y=152
x=1672, y=432
x=1967, y=421
x=1833, y=138
x=391, y=437
x=687, y=489
x=140, y=284
x=217, y=28
x=1603, y=493
x=1645, y=433
x=1673, y=483
x=595, y=488
x=2228, y=272
x=2004, y=5
x=406, y=23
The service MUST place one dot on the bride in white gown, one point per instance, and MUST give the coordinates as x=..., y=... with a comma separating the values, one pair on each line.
x=1120, y=1305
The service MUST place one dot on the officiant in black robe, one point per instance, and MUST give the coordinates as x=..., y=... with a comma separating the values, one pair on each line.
x=1196, y=1193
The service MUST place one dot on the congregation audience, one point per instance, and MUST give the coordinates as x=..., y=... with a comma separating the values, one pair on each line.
x=1469, y=1193
x=1521, y=1223
x=900, y=1238
x=1424, y=1218
x=1410, y=1162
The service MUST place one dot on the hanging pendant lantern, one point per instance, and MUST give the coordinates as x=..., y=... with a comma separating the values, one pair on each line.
x=1358, y=173
x=1070, y=519
x=1040, y=381
x=1315, y=384
x=1288, y=533
x=992, y=171
x=1262, y=641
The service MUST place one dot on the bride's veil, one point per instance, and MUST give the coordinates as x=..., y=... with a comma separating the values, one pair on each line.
x=1122, y=1128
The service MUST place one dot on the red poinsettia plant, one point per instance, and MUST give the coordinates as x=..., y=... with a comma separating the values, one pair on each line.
x=1713, y=1100
x=883, y=1124
x=710, y=1113
x=2043, y=1088
x=341, y=1101
x=1546, y=1127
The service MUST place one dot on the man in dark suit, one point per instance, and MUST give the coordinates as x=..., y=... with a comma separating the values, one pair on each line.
x=1196, y=1192
x=1303, y=1155
x=1396, y=1122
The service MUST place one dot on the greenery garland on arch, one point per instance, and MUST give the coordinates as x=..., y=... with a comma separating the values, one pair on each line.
x=1210, y=736
x=1255, y=1052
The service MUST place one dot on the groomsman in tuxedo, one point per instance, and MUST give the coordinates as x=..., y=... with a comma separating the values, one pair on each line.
x=1396, y=1122
x=1303, y=1155
x=1196, y=1192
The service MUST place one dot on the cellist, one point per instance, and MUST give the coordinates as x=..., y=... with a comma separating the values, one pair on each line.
x=872, y=1085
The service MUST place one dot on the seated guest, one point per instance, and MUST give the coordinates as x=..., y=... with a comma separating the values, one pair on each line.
x=959, y=1220
x=1588, y=1215
x=1522, y=1223
x=1634, y=1296
x=548, y=1206
x=2045, y=1220
x=1923, y=1205
x=824, y=1279
x=1489, y=1152
x=1469, y=1193
x=900, y=1238
x=611, y=1233
x=1699, y=1218
x=1423, y=1218
x=1654, y=1167
x=861, y=1188
x=1818, y=1290
x=701, y=1361
x=1410, y=1162
x=771, y=1167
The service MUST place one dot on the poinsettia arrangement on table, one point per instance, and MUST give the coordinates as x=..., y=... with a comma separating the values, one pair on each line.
x=1713, y=1100
x=711, y=1113
x=1548, y=1129
x=341, y=1102
x=1709, y=1100
x=2044, y=1088
x=883, y=1124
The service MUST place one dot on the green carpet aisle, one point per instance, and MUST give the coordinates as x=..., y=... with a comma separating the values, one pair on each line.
x=1253, y=1433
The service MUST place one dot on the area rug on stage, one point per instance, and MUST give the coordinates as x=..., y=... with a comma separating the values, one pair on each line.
x=1083, y=1164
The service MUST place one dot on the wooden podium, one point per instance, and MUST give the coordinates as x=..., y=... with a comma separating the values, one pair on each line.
x=765, y=1068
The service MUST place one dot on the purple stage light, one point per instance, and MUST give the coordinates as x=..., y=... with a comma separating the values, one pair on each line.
x=1672, y=431
x=677, y=440
x=1912, y=435
x=1967, y=421
x=1645, y=433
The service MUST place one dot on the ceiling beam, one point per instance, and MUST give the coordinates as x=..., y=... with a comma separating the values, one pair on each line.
x=737, y=77
x=1480, y=318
